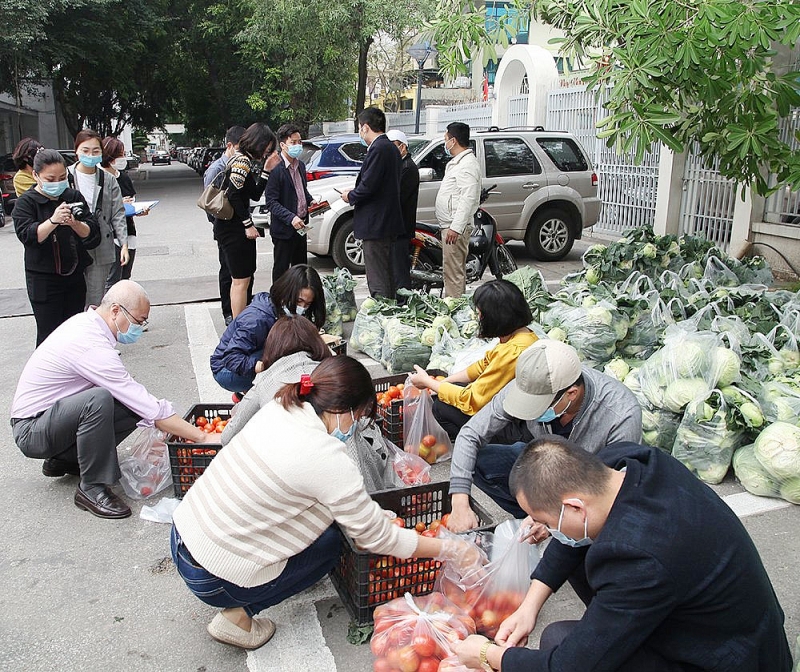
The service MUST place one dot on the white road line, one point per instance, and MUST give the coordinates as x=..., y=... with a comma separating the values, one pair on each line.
x=203, y=338
x=744, y=504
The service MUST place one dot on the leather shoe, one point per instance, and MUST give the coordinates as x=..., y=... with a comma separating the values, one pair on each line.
x=53, y=467
x=104, y=505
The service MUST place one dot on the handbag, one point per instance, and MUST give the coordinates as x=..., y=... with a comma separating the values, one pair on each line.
x=214, y=199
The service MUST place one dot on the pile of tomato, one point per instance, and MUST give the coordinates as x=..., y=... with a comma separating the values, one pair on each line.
x=486, y=607
x=390, y=578
x=405, y=641
x=213, y=426
x=386, y=398
x=429, y=449
x=189, y=464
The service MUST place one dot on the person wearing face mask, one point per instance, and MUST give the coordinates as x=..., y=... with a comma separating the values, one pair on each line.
x=101, y=191
x=552, y=394
x=456, y=202
x=56, y=243
x=377, y=213
x=115, y=164
x=237, y=358
x=246, y=176
x=75, y=401
x=286, y=476
x=288, y=201
x=232, y=138
x=409, y=197
x=671, y=580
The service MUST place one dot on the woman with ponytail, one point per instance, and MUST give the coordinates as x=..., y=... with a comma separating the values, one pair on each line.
x=257, y=526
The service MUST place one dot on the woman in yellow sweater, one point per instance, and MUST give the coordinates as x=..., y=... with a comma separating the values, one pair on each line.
x=504, y=313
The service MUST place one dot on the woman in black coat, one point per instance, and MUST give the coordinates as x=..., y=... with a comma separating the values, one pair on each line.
x=56, y=237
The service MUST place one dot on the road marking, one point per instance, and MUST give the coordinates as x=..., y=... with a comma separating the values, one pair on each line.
x=744, y=504
x=203, y=338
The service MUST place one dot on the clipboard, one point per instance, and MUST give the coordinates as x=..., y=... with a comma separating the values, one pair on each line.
x=138, y=207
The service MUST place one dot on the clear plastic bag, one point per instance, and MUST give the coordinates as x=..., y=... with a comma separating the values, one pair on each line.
x=593, y=328
x=444, y=351
x=416, y=633
x=755, y=479
x=146, y=471
x=453, y=664
x=410, y=469
x=423, y=435
x=345, y=296
x=367, y=336
x=705, y=442
x=494, y=592
x=402, y=347
x=374, y=457
x=777, y=449
x=473, y=351
x=333, y=315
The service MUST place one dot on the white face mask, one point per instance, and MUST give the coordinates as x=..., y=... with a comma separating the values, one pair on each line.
x=121, y=163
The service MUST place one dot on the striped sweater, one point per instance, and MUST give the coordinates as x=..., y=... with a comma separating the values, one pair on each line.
x=279, y=484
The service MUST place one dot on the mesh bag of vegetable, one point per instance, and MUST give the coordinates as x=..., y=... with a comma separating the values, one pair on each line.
x=705, y=442
x=402, y=347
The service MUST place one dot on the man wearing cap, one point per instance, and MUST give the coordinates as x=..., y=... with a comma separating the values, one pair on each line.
x=553, y=394
x=409, y=196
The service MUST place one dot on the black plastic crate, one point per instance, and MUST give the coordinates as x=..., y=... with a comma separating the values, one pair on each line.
x=339, y=348
x=391, y=416
x=364, y=580
x=188, y=460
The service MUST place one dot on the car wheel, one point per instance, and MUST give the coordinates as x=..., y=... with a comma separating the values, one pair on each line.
x=549, y=236
x=347, y=250
x=504, y=263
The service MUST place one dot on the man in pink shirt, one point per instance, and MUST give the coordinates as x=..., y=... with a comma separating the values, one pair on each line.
x=75, y=401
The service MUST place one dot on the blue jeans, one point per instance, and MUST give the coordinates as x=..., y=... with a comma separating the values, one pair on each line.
x=302, y=571
x=492, y=469
x=233, y=382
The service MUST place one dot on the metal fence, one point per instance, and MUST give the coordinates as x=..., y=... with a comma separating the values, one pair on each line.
x=477, y=115
x=405, y=121
x=783, y=206
x=708, y=201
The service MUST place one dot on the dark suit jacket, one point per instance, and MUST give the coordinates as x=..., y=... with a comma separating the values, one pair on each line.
x=281, y=200
x=409, y=195
x=376, y=196
x=674, y=570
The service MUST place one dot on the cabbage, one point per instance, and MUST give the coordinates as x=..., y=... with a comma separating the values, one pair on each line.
x=632, y=381
x=689, y=359
x=752, y=414
x=469, y=329
x=649, y=251
x=429, y=337
x=617, y=368
x=557, y=334
x=680, y=392
x=790, y=490
x=778, y=450
x=726, y=365
x=600, y=315
x=733, y=396
x=592, y=275
x=752, y=475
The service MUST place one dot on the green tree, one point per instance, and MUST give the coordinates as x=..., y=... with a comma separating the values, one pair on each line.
x=693, y=71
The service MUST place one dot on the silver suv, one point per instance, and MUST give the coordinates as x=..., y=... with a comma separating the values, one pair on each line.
x=547, y=193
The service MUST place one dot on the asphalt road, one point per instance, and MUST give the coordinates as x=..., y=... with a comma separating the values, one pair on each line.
x=83, y=593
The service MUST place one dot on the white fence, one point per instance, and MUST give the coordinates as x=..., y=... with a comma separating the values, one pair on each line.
x=708, y=201
x=477, y=115
x=518, y=110
x=405, y=121
x=784, y=205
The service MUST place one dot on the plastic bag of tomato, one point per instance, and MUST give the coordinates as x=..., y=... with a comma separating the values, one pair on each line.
x=389, y=395
x=417, y=633
x=187, y=460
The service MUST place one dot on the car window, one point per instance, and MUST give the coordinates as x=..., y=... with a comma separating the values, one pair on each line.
x=438, y=160
x=564, y=153
x=509, y=156
x=354, y=152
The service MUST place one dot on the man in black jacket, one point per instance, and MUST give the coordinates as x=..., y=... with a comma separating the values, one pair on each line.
x=287, y=199
x=409, y=197
x=377, y=218
x=671, y=579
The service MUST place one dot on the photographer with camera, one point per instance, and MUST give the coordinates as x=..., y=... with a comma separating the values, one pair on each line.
x=56, y=227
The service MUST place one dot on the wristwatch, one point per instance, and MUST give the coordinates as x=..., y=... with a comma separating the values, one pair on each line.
x=482, y=659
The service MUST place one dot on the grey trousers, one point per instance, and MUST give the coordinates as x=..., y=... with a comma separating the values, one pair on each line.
x=379, y=266
x=84, y=428
x=96, y=276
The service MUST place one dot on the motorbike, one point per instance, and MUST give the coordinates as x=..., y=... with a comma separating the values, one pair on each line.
x=486, y=249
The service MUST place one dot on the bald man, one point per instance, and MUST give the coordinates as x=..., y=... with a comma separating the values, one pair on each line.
x=75, y=401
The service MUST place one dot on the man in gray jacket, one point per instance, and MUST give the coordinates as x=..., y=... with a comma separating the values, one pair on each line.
x=552, y=394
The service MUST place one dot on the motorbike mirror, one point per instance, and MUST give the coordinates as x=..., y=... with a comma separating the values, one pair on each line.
x=426, y=175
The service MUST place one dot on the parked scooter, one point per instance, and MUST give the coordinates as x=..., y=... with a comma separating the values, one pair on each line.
x=486, y=248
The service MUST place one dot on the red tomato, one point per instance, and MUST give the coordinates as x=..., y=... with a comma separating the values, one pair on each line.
x=409, y=660
x=445, y=519
x=381, y=665
x=202, y=421
x=428, y=665
x=424, y=645
x=429, y=440
x=420, y=527
x=146, y=491
x=399, y=522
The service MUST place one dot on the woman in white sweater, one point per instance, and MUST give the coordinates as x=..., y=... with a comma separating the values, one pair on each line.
x=293, y=347
x=257, y=526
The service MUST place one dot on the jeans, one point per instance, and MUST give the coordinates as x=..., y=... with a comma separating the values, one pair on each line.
x=302, y=571
x=492, y=469
x=233, y=382
x=449, y=417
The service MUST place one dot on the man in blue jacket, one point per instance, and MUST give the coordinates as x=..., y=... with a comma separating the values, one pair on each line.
x=288, y=200
x=671, y=580
x=377, y=214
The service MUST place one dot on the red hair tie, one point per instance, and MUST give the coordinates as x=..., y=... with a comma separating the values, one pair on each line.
x=305, y=384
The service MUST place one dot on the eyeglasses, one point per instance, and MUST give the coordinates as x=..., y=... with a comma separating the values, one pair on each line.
x=142, y=323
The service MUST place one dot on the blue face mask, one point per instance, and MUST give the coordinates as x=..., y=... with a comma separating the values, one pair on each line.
x=294, y=151
x=339, y=434
x=54, y=189
x=447, y=149
x=549, y=415
x=562, y=538
x=90, y=161
x=132, y=335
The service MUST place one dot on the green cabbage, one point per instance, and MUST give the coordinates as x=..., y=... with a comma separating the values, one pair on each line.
x=726, y=365
x=790, y=490
x=689, y=359
x=778, y=450
x=617, y=368
x=557, y=334
x=680, y=392
x=752, y=475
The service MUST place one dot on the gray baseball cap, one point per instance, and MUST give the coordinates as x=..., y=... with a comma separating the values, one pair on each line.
x=543, y=369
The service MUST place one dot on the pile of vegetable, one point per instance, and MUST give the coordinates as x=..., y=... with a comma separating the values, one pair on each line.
x=340, y=300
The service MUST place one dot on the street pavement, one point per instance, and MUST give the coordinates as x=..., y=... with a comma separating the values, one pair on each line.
x=83, y=593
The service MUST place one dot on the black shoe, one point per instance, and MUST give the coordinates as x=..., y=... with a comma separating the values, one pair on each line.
x=104, y=505
x=53, y=468
x=228, y=320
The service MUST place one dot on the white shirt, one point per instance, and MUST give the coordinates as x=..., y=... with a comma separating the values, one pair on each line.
x=460, y=193
x=87, y=185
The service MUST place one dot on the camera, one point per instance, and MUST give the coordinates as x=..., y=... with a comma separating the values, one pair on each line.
x=80, y=211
